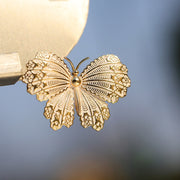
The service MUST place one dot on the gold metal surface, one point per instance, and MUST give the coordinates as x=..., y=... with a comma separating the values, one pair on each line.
x=104, y=79
x=76, y=81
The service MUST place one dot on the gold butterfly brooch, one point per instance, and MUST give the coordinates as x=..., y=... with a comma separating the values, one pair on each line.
x=104, y=79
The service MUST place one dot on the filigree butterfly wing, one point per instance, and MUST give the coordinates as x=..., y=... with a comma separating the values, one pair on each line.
x=60, y=110
x=106, y=78
x=47, y=75
x=49, y=78
x=91, y=110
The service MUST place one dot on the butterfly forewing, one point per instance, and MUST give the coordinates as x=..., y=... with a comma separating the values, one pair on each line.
x=47, y=76
x=91, y=110
x=106, y=78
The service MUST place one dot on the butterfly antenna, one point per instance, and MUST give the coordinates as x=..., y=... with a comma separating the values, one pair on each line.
x=72, y=65
x=81, y=62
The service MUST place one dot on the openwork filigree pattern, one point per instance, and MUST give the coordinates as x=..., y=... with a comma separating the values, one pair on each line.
x=105, y=79
x=91, y=110
x=47, y=76
x=60, y=109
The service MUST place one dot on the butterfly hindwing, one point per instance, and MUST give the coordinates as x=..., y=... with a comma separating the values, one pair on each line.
x=91, y=110
x=106, y=77
x=60, y=110
x=46, y=76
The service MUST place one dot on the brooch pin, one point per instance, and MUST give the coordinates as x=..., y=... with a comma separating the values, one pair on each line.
x=104, y=79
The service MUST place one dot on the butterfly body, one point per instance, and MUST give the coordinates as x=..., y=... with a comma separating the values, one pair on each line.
x=76, y=81
x=105, y=79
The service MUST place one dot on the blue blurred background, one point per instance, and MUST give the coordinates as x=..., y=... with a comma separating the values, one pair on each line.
x=141, y=140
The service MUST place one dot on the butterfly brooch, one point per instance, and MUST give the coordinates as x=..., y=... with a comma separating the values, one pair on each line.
x=104, y=79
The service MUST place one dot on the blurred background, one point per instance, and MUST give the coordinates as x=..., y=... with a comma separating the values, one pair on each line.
x=141, y=140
